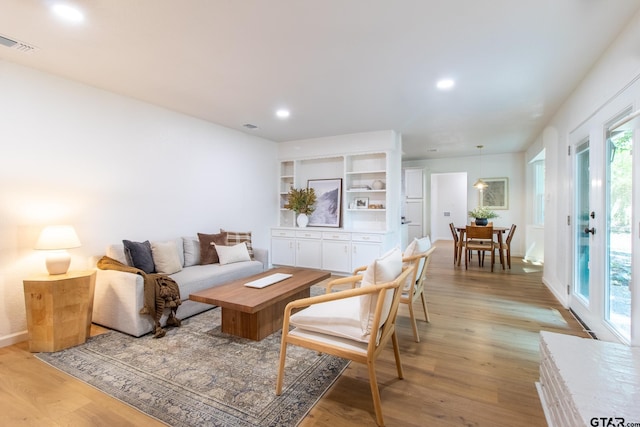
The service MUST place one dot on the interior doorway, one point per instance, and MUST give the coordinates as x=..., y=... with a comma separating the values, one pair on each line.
x=448, y=203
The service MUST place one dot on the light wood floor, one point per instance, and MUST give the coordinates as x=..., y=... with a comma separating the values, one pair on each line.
x=476, y=363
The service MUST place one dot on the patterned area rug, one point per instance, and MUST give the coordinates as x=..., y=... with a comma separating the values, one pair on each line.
x=198, y=376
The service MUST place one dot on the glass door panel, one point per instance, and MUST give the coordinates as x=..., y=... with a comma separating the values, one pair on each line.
x=582, y=239
x=619, y=230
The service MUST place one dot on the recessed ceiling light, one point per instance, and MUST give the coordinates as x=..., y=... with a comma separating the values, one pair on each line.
x=445, y=84
x=283, y=113
x=67, y=12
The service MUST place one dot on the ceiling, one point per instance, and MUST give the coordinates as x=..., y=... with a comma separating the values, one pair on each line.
x=339, y=66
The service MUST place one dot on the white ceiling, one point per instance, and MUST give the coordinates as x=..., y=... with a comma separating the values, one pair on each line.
x=340, y=66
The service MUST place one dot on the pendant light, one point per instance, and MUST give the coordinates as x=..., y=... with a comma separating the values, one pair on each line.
x=480, y=184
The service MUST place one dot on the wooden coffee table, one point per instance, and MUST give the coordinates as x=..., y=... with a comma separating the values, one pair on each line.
x=256, y=313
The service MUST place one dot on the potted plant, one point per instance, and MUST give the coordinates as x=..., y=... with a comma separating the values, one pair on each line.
x=301, y=201
x=482, y=214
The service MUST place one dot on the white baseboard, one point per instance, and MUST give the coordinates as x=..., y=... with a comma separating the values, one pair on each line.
x=8, y=340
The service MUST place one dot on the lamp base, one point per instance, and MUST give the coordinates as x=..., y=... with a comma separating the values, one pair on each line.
x=58, y=262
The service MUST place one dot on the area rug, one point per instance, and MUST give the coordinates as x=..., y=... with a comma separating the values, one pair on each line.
x=199, y=376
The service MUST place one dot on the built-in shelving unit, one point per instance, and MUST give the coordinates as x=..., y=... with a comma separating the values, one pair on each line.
x=287, y=181
x=364, y=187
x=370, y=171
x=366, y=191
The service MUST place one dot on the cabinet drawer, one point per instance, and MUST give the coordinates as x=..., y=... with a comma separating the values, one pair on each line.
x=328, y=235
x=283, y=233
x=364, y=237
x=309, y=234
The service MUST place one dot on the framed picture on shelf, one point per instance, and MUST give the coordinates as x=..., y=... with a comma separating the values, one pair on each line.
x=496, y=195
x=328, y=210
x=361, y=203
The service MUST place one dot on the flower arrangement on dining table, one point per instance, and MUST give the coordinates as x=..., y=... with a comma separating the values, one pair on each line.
x=482, y=212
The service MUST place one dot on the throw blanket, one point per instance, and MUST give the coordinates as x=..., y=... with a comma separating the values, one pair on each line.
x=160, y=292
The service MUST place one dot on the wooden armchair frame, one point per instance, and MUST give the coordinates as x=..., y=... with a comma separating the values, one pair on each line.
x=360, y=352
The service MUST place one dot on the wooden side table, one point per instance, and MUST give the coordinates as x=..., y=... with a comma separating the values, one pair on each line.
x=59, y=309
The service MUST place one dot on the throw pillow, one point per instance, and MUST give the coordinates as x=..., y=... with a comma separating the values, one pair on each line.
x=231, y=254
x=235, y=237
x=165, y=257
x=139, y=255
x=208, y=254
x=382, y=270
x=191, y=251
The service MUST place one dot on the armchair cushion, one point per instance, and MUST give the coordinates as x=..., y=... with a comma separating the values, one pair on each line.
x=382, y=270
x=339, y=318
x=417, y=246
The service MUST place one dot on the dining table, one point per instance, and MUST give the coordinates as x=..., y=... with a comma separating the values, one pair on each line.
x=462, y=230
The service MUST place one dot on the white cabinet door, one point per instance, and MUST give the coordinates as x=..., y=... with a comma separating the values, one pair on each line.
x=309, y=253
x=413, y=183
x=363, y=253
x=283, y=251
x=413, y=213
x=336, y=256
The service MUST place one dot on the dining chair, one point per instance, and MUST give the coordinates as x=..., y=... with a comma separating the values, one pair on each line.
x=505, y=247
x=414, y=289
x=355, y=324
x=479, y=238
x=457, y=249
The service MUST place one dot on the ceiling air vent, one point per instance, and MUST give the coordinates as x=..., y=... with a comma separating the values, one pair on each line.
x=15, y=44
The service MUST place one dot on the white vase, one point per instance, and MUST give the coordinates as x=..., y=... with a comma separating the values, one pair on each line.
x=302, y=220
x=377, y=185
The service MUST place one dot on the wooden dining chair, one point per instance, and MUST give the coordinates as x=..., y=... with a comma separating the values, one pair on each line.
x=457, y=250
x=505, y=247
x=479, y=238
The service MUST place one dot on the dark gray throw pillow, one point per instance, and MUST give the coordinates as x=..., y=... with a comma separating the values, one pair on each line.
x=139, y=255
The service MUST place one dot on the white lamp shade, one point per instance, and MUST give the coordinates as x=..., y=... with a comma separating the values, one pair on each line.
x=56, y=237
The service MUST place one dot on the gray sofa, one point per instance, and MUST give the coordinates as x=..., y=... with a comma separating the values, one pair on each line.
x=119, y=296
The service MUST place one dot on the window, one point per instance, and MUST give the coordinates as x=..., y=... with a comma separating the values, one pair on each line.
x=538, y=189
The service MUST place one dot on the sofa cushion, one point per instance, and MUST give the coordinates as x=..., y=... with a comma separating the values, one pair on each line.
x=231, y=254
x=382, y=270
x=116, y=251
x=235, y=237
x=208, y=254
x=165, y=257
x=199, y=277
x=191, y=247
x=139, y=255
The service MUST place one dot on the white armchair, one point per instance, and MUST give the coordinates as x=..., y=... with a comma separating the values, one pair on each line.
x=354, y=324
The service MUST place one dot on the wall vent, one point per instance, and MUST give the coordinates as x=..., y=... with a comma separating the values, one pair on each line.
x=16, y=44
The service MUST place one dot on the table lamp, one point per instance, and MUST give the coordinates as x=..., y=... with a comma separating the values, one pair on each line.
x=56, y=239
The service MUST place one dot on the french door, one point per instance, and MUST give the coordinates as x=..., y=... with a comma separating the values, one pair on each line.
x=606, y=226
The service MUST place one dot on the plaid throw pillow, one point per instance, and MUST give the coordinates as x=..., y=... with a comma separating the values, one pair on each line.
x=235, y=237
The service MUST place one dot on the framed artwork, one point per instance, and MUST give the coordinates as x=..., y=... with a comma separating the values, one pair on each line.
x=361, y=202
x=496, y=195
x=328, y=209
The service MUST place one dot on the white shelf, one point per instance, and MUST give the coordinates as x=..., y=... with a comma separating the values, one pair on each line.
x=366, y=172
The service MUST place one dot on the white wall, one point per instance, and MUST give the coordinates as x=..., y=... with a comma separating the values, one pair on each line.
x=511, y=166
x=448, y=194
x=115, y=168
x=617, y=69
